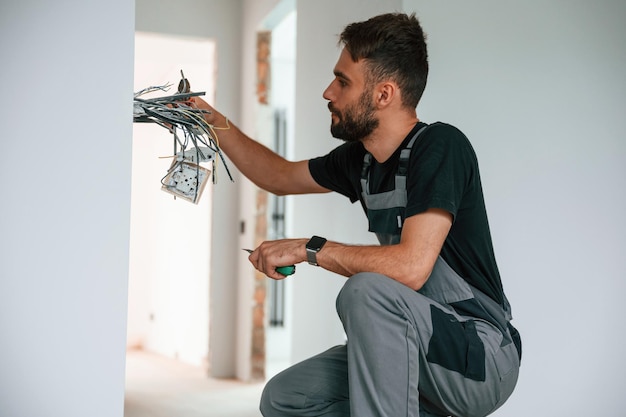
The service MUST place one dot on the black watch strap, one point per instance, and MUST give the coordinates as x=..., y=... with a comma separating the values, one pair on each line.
x=313, y=246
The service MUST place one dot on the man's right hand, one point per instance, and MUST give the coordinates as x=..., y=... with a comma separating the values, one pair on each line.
x=212, y=116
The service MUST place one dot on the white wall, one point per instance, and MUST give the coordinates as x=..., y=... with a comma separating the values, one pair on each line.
x=66, y=115
x=539, y=89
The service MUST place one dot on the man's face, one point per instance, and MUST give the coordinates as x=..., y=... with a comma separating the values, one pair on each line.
x=350, y=101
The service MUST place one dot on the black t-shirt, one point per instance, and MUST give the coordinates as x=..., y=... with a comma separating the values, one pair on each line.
x=443, y=173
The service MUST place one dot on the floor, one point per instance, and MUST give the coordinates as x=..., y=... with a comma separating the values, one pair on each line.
x=162, y=387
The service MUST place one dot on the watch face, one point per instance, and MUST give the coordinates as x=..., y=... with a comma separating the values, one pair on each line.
x=316, y=243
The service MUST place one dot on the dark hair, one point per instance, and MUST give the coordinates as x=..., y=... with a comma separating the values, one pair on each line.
x=392, y=46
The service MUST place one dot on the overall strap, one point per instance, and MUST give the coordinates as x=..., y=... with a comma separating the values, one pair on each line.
x=406, y=153
x=403, y=165
x=365, y=172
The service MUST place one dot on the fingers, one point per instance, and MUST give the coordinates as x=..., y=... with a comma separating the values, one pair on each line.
x=210, y=114
x=262, y=263
x=272, y=255
x=200, y=103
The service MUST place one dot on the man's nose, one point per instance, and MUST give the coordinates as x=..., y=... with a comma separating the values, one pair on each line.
x=327, y=94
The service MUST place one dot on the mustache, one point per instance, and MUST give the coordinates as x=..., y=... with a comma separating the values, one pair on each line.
x=332, y=108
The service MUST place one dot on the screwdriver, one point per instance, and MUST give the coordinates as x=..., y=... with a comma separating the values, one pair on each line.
x=284, y=270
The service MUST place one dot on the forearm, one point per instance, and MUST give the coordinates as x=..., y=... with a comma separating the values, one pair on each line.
x=249, y=156
x=347, y=260
x=409, y=262
x=393, y=261
x=261, y=165
x=255, y=161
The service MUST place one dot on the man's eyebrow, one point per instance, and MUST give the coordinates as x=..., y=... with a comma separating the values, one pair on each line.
x=340, y=74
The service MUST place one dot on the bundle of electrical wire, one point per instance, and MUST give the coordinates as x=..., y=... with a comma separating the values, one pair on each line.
x=172, y=113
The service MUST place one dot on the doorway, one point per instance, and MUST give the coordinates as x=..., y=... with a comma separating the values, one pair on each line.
x=170, y=244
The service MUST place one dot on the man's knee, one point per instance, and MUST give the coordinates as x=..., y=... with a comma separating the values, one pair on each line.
x=360, y=290
x=277, y=397
x=266, y=403
x=271, y=398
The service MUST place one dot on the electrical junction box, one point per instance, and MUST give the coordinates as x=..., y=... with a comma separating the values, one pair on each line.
x=186, y=180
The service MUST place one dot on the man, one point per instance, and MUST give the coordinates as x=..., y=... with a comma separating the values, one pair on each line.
x=425, y=315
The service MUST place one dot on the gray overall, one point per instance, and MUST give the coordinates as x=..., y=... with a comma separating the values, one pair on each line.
x=408, y=353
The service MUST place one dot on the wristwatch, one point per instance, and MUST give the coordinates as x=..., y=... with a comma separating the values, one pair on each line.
x=312, y=247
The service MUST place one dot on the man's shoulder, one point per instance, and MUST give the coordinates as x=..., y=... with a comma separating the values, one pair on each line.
x=440, y=134
x=445, y=130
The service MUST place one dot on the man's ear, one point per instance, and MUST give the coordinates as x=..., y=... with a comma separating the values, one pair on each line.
x=386, y=93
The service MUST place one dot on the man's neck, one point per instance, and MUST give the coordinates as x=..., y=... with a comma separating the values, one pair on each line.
x=384, y=141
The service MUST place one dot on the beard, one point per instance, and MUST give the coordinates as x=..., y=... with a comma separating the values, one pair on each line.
x=356, y=121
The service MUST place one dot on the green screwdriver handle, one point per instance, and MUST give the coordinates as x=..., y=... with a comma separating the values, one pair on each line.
x=283, y=270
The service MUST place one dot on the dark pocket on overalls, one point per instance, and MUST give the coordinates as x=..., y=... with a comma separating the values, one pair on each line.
x=455, y=345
